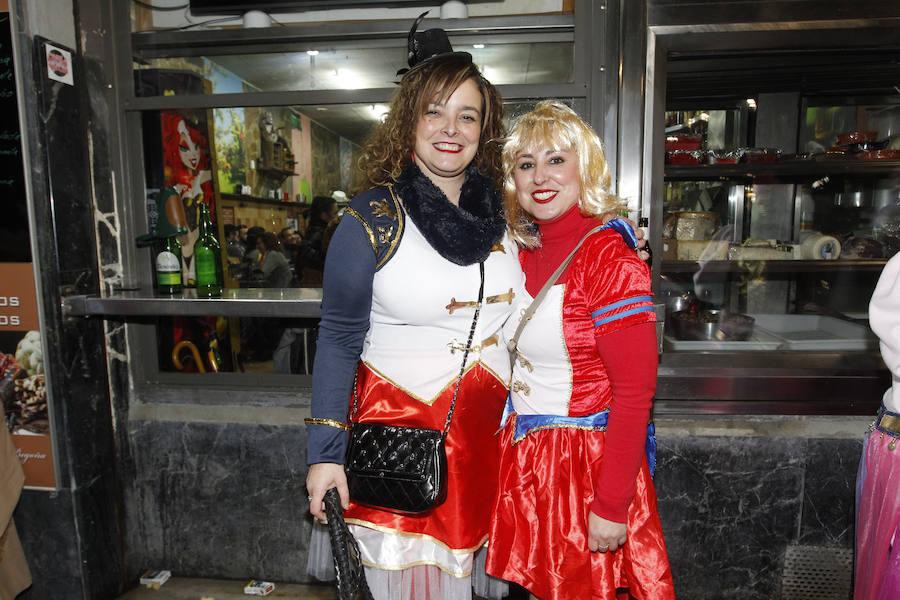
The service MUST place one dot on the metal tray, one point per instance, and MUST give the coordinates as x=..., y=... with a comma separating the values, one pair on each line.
x=817, y=332
x=760, y=340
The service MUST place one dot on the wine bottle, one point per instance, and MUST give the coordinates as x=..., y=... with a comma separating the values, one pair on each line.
x=168, y=266
x=207, y=257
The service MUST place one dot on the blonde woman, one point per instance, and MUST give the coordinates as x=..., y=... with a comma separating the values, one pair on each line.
x=576, y=512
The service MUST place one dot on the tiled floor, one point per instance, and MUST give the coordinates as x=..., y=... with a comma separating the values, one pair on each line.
x=182, y=588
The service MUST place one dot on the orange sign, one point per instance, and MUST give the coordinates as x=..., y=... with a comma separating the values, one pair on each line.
x=36, y=454
x=18, y=299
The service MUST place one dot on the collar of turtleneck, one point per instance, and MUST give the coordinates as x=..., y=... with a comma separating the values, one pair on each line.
x=558, y=237
x=565, y=230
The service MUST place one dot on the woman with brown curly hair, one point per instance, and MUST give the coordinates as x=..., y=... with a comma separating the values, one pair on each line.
x=400, y=295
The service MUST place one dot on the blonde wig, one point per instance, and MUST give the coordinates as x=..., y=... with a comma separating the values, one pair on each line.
x=388, y=149
x=553, y=125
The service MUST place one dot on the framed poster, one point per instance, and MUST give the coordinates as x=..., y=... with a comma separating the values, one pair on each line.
x=188, y=169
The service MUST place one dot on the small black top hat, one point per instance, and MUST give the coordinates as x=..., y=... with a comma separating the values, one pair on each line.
x=428, y=45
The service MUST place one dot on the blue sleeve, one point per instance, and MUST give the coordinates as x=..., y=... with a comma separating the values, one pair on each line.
x=346, y=304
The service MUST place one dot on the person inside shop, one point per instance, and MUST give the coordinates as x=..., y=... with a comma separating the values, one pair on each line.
x=322, y=210
x=575, y=515
x=291, y=245
x=877, y=574
x=398, y=309
x=251, y=256
x=234, y=252
x=289, y=238
x=272, y=268
x=233, y=246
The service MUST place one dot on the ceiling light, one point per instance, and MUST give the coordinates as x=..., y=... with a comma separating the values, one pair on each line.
x=751, y=103
x=312, y=52
x=478, y=46
x=380, y=111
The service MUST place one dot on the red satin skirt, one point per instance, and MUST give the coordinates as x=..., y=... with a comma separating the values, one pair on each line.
x=539, y=532
x=461, y=522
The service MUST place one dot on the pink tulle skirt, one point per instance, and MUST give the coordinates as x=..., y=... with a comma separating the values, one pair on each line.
x=878, y=501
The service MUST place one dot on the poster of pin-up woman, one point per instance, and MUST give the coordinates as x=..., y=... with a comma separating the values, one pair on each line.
x=187, y=166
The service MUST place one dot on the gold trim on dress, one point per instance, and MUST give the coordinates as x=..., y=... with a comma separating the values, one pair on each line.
x=327, y=422
x=524, y=361
x=383, y=529
x=456, y=305
x=495, y=375
x=890, y=422
x=562, y=335
x=516, y=440
x=384, y=234
x=504, y=297
x=433, y=563
x=399, y=210
x=521, y=386
x=380, y=208
x=358, y=217
x=455, y=345
x=416, y=396
x=490, y=341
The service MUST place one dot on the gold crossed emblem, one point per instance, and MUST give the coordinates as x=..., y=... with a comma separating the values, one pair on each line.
x=457, y=345
x=524, y=362
x=519, y=386
x=498, y=247
x=385, y=235
x=381, y=208
x=504, y=297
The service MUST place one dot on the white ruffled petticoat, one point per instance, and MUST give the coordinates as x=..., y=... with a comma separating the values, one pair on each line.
x=421, y=582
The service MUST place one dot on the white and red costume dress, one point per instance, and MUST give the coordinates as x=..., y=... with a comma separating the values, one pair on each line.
x=400, y=318
x=576, y=430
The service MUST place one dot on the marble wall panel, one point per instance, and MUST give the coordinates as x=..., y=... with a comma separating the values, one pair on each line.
x=228, y=500
x=829, y=492
x=213, y=500
x=50, y=541
x=729, y=507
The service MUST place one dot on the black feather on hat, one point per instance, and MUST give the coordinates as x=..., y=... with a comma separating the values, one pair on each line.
x=428, y=45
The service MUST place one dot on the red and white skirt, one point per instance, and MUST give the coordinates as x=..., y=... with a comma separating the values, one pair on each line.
x=448, y=535
x=539, y=532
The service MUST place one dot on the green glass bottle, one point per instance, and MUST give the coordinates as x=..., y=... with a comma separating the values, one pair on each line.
x=168, y=266
x=207, y=257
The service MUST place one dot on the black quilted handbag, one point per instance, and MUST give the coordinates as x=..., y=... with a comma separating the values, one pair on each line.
x=348, y=567
x=402, y=469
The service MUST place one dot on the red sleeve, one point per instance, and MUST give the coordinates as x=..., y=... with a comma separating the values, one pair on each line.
x=630, y=358
x=614, y=283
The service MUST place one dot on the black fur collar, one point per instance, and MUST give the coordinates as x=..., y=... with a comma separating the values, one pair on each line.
x=464, y=235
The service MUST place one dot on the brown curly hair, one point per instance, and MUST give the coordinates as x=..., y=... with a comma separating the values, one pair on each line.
x=389, y=147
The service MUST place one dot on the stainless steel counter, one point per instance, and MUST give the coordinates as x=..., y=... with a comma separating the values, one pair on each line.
x=244, y=302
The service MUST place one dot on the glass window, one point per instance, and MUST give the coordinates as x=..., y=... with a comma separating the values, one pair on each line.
x=764, y=250
x=362, y=65
x=259, y=170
